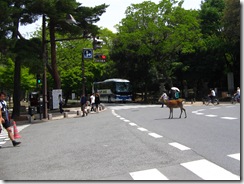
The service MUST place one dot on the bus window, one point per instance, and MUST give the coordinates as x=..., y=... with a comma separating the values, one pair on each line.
x=122, y=87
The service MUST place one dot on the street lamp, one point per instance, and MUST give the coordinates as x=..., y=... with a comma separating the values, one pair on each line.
x=44, y=59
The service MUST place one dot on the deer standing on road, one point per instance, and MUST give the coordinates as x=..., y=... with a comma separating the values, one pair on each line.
x=173, y=104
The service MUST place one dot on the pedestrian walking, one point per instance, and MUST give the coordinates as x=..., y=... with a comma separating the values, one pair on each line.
x=83, y=104
x=4, y=118
x=92, y=99
x=97, y=101
x=165, y=97
x=60, y=103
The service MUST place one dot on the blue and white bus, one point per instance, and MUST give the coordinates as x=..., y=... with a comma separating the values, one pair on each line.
x=113, y=90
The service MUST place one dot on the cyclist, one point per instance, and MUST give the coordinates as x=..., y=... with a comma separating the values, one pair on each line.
x=212, y=95
x=237, y=95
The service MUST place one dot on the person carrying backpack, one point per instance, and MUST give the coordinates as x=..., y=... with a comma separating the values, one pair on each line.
x=4, y=118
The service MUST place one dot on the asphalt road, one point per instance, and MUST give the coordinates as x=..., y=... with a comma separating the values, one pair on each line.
x=127, y=142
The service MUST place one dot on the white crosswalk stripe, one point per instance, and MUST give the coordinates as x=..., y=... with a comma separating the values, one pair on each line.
x=209, y=171
x=151, y=174
x=201, y=169
x=235, y=156
x=4, y=134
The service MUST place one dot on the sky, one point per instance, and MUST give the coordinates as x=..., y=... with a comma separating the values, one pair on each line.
x=114, y=13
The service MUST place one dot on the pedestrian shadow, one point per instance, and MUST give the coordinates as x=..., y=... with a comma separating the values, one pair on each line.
x=8, y=147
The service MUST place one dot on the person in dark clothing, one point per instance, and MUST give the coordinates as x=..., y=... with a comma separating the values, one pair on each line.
x=60, y=103
x=97, y=101
x=4, y=118
x=83, y=104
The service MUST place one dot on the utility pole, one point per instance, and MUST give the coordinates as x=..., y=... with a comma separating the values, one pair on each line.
x=83, y=73
x=44, y=59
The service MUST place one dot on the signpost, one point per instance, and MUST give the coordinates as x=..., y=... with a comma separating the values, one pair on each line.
x=86, y=54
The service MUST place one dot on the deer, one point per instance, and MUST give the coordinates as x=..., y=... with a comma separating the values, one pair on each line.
x=178, y=103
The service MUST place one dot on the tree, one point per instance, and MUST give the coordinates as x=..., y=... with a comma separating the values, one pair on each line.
x=14, y=14
x=69, y=64
x=56, y=12
x=151, y=39
x=231, y=32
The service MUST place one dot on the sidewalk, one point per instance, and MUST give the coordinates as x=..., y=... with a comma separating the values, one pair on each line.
x=54, y=115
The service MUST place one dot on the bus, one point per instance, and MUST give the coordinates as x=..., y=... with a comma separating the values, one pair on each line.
x=113, y=90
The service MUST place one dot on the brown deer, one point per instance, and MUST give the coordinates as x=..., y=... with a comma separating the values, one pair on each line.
x=173, y=104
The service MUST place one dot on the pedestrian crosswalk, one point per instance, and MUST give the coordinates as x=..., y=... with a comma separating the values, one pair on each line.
x=202, y=169
x=4, y=134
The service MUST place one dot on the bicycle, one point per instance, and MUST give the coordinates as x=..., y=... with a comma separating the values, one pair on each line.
x=235, y=100
x=208, y=100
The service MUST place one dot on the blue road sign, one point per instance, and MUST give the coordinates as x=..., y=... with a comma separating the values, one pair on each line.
x=87, y=53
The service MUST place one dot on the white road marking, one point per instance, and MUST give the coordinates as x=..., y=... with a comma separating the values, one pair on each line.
x=126, y=120
x=199, y=113
x=132, y=107
x=122, y=118
x=132, y=124
x=201, y=110
x=229, y=118
x=198, y=110
x=151, y=174
x=2, y=142
x=235, y=156
x=155, y=135
x=215, y=108
x=22, y=127
x=211, y=115
x=179, y=146
x=142, y=129
x=209, y=171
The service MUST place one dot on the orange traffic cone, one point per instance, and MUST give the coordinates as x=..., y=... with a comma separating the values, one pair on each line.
x=16, y=133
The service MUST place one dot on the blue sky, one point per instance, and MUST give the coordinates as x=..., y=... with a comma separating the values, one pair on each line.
x=114, y=14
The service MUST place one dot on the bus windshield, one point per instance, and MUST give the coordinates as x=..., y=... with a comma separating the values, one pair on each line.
x=123, y=87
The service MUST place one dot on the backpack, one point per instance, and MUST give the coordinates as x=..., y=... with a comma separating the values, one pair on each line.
x=177, y=95
x=4, y=110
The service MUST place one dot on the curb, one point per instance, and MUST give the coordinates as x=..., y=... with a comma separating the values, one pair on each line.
x=67, y=114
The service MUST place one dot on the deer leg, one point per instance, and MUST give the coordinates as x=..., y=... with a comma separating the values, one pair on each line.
x=180, y=112
x=170, y=113
x=185, y=113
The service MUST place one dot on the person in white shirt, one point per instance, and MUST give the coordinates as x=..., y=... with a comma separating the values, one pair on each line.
x=238, y=93
x=212, y=95
x=92, y=98
x=165, y=97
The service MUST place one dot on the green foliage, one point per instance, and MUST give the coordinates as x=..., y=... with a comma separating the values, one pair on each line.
x=150, y=41
x=69, y=63
x=28, y=81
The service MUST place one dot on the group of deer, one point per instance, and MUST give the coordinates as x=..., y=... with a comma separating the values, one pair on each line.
x=177, y=103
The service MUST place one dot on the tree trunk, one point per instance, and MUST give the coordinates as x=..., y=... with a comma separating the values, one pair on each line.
x=17, y=70
x=55, y=74
x=17, y=81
